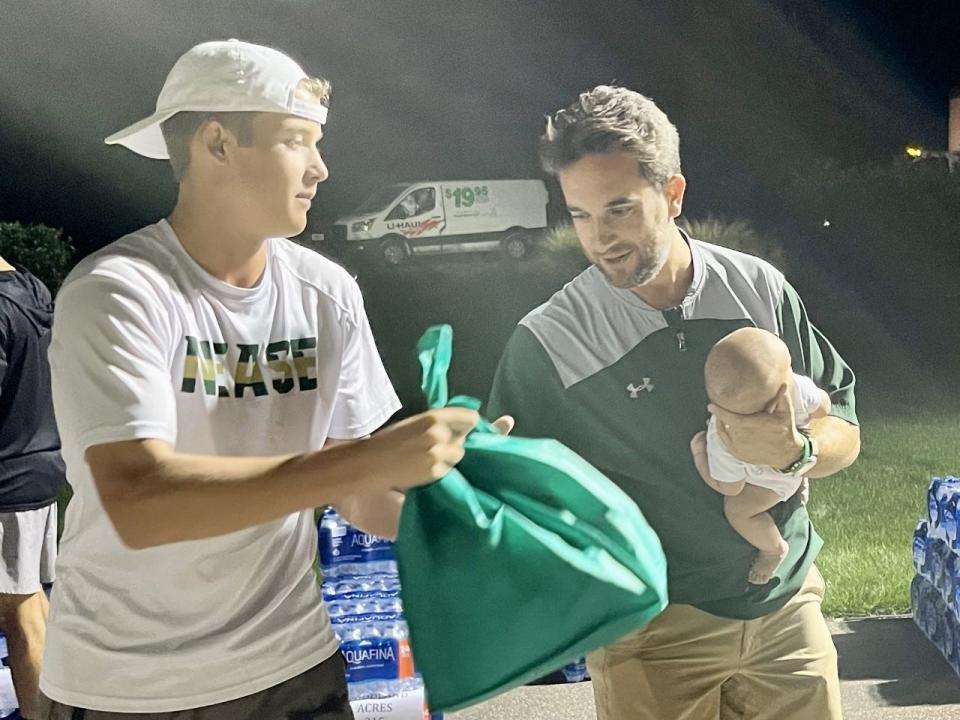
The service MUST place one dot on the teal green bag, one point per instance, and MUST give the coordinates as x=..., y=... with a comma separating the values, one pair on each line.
x=521, y=559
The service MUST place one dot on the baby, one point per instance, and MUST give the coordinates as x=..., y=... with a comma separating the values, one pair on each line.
x=745, y=373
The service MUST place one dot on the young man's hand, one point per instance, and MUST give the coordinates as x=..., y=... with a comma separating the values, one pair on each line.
x=768, y=437
x=418, y=450
x=379, y=512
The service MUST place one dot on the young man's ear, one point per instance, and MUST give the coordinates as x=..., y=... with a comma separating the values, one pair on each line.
x=214, y=140
x=674, y=190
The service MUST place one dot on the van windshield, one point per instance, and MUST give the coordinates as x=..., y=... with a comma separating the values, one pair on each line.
x=380, y=199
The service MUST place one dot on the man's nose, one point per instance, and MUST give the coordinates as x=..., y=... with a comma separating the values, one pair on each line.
x=318, y=171
x=605, y=236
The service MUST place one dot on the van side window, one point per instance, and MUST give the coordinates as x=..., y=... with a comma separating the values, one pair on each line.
x=427, y=199
x=414, y=203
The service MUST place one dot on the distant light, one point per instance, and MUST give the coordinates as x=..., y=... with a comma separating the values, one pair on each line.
x=826, y=223
x=914, y=151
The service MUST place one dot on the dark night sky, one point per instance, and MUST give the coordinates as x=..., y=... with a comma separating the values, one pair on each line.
x=431, y=88
x=920, y=39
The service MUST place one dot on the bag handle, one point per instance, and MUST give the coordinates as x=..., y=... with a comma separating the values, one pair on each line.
x=435, y=351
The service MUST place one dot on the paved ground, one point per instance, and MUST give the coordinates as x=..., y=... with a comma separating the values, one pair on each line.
x=888, y=671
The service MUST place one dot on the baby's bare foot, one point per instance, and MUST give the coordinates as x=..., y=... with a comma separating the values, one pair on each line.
x=766, y=564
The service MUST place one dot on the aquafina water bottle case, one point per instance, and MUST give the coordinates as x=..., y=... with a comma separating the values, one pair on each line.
x=939, y=495
x=935, y=590
x=362, y=593
x=345, y=550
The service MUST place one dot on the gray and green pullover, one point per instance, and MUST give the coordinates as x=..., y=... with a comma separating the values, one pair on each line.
x=621, y=383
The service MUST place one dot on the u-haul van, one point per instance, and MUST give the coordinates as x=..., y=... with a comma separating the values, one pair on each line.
x=429, y=217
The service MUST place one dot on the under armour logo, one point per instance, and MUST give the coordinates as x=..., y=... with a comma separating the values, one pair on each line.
x=635, y=391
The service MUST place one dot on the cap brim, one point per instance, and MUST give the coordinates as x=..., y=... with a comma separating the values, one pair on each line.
x=144, y=137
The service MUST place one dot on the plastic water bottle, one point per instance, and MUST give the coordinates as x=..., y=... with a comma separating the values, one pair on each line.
x=384, y=690
x=922, y=609
x=951, y=568
x=937, y=553
x=948, y=645
x=949, y=499
x=934, y=620
x=955, y=662
x=933, y=509
x=330, y=537
x=955, y=602
x=916, y=593
x=575, y=671
x=920, y=545
x=381, y=585
x=917, y=606
x=946, y=629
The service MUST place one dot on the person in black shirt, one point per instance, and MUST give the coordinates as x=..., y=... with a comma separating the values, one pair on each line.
x=31, y=474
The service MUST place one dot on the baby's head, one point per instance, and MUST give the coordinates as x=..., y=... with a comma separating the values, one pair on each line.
x=745, y=370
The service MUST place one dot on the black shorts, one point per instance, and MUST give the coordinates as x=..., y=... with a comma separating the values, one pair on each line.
x=317, y=694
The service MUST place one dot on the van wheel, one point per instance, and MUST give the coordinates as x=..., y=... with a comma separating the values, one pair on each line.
x=394, y=252
x=515, y=246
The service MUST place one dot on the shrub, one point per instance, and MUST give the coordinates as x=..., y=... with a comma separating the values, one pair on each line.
x=42, y=250
x=736, y=235
x=892, y=237
x=561, y=250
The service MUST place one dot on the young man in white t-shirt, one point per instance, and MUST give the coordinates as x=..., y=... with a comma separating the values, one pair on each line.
x=208, y=376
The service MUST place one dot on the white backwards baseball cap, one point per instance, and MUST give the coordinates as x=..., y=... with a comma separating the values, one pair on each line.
x=222, y=76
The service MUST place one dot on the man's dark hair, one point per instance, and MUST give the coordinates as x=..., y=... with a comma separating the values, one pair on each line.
x=178, y=132
x=611, y=119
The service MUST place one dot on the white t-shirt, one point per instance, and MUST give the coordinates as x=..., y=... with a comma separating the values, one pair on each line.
x=724, y=467
x=146, y=344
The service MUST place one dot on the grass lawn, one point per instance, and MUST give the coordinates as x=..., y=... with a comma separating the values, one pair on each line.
x=867, y=513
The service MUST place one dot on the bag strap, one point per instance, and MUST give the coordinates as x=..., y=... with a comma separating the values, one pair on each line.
x=435, y=351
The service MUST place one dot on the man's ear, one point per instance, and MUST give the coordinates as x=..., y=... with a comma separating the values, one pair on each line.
x=674, y=189
x=214, y=141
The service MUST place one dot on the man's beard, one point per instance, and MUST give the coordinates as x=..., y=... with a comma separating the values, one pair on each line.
x=649, y=262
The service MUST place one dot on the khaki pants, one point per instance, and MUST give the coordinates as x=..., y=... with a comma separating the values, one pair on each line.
x=690, y=665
